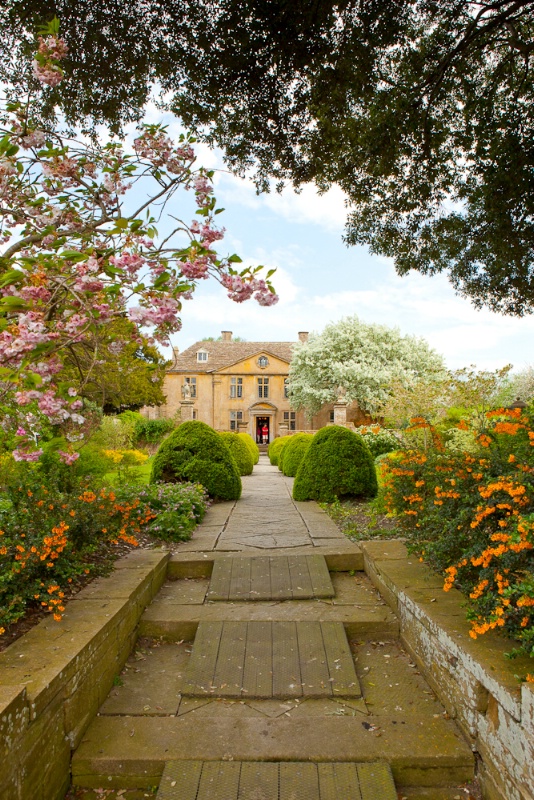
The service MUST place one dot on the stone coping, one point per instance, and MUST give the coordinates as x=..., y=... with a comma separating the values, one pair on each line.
x=54, y=678
x=478, y=685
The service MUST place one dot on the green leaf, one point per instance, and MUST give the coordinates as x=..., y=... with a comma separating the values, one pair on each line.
x=73, y=255
x=7, y=374
x=121, y=223
x=12, y=304
x=161, y=280
x=219, y=210
x=32, y=379
x=234, y=259
x=11, y=277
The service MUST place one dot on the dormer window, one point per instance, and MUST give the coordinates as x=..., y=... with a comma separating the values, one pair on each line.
x=263, y=362
x=202, y=355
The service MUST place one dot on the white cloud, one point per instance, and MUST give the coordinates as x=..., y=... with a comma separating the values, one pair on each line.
x=307, y=207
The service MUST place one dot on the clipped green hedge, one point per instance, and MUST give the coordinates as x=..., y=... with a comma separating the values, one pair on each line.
x=275, y=449
x=337, y=464
x=196, y=453
x=293, y=453
x=282, y=452
x=252, y=446
x=240, y=451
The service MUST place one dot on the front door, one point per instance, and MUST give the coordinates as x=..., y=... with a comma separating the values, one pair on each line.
x=262, y=430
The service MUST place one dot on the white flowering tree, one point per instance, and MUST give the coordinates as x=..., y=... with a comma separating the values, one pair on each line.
x=76, y=254
x=365, y=360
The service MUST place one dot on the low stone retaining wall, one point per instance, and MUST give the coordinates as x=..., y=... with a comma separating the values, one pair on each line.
x=474, y=680
x=54, y=679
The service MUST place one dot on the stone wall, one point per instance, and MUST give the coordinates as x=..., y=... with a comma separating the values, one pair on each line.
x=54, y=678
x=473, y=679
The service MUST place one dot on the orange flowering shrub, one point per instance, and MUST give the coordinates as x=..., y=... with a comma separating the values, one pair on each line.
x=46, y=537
x=471, y=516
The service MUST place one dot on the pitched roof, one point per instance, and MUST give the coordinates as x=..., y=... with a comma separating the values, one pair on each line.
x=224, y=354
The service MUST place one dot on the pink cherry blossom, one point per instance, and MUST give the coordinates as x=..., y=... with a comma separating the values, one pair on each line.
x=27, y=455
x=68, y=458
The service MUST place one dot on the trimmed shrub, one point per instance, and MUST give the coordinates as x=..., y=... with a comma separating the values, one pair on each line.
x=195, y=453
x=239, y=450
x=337, y=464
x=275, y=449
x=293, y=453
x=252, y=446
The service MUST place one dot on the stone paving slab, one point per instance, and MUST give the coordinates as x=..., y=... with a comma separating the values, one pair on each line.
x=177, y=621
x=296, y=577
x=256, y=780
x=132, y=751
x=265, y=660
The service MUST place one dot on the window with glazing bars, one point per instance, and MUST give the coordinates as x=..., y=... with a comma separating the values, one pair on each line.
x=235, y=417
x=192, y=386
x=290, y=417
x=236, y=387
x=263, y=387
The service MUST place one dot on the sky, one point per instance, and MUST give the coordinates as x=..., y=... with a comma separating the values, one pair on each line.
x=320, y=280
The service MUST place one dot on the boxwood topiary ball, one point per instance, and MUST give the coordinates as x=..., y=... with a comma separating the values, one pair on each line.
x=195, y=452
x=282, y=452
x=275, y=449
x=239, y=450
x=293, y=453
x=251, y=444
x=337, y=464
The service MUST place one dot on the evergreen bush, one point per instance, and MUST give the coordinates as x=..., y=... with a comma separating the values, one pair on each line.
x=275, y=449
x=294, y=452
x=240, y=451
x=282, y=452
x=337, y=464
x=196, y=453
x=251, y=444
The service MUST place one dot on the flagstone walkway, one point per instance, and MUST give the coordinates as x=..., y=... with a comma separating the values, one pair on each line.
x=269, y=668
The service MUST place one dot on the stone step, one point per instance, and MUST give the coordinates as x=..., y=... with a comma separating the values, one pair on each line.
x=176, y=621
x=340, y=556
x=264, y=660
x=257, y=780
x=131, y=752
x=293, y=577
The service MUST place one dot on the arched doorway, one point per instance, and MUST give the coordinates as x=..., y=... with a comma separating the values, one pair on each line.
x=262, y=422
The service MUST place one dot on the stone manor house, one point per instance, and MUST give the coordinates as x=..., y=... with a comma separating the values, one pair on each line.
x=238, y=386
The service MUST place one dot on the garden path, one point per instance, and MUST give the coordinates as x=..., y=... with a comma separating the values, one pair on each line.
x=269, y=668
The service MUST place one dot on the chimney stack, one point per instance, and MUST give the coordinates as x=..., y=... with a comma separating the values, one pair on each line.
x=303, y=336
x=226, y=336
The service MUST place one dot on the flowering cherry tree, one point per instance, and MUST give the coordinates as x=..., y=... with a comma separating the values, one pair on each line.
x=74, y=259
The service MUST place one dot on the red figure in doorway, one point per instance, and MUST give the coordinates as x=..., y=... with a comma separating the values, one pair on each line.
x=264, y=433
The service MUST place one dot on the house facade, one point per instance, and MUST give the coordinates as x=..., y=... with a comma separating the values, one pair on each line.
x=237, y=386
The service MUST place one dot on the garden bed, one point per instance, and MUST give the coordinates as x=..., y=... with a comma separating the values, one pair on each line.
x=478, y=685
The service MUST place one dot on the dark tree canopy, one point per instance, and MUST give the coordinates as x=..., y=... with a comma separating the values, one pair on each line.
x=421, y=110
x=123, y=371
